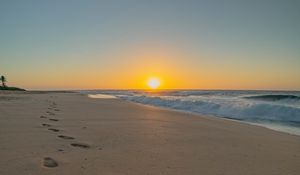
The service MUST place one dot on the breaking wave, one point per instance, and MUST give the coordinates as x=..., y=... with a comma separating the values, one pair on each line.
x=274, y=97
x=236, y=109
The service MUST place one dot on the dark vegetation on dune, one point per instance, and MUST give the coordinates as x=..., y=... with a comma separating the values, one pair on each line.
x=11, y=88
x=5, y=87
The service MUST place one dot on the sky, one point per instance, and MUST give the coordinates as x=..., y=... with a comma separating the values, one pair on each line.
x=120, y=44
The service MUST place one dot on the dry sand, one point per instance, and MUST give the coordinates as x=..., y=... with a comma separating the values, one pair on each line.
x=69, y=133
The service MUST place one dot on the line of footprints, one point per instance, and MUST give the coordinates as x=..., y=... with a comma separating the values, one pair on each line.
x=52, y=109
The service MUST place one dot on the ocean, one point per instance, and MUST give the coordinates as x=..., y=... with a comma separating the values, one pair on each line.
x=277, y=110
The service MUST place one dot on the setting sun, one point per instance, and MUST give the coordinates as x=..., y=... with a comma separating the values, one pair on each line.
x=153, y=83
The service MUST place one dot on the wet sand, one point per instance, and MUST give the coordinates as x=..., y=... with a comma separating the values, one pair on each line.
x=69, y=133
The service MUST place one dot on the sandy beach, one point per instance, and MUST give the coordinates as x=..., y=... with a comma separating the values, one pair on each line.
x=69, y=133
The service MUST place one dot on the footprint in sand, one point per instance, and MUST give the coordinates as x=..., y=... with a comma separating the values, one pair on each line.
x=66, y=137
x=80, y=145
x=50, y=113
x=54, y=130
x=52, y=119
x=46, y=125
x=43, y=116
x=49, y=162
x=53, y=108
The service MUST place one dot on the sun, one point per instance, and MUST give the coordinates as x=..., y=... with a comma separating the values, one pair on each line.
x=153, y=83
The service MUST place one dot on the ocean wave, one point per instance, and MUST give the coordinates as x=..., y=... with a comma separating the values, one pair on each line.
x=224, y=107
x=274, y=97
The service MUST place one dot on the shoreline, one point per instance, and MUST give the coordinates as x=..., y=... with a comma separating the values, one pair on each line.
x=221, y=118
x=80, y=135
x=264, y=125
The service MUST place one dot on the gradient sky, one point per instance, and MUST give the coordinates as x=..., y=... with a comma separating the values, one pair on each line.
x=89, y=44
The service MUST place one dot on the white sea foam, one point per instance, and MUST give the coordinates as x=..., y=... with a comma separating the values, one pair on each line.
x=103, y=96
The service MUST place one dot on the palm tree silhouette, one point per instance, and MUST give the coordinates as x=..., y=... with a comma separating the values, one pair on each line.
x=3, y=80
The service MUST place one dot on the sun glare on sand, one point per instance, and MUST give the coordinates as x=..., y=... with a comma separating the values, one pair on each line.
x=153, y=83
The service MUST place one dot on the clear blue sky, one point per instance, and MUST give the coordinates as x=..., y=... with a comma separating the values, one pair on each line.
x=238, y=44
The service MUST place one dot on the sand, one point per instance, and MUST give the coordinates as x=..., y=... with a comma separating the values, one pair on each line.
x=69, y=133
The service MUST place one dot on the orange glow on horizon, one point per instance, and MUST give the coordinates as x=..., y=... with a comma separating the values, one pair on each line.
x=138, y=65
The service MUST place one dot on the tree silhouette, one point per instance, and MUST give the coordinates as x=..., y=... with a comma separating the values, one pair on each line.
x=3, y=80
